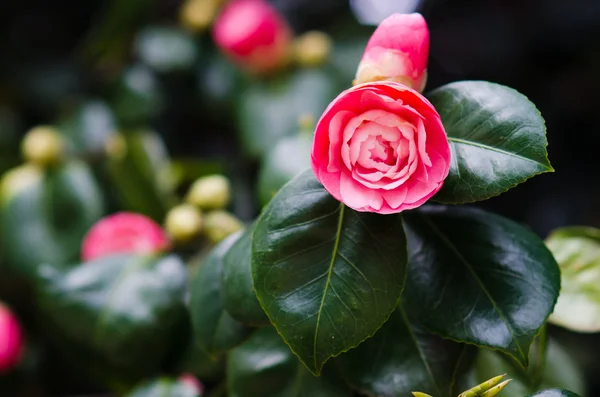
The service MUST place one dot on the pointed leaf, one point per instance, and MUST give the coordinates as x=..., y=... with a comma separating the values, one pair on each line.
x=402, y=358
x=215, y=330
x=497, y=138
x=478, y=278
x=577, y=250
x=239, y=298
x=264, y=366
x=328, y=277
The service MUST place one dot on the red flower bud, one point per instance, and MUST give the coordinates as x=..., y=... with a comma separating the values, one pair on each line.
x=11, y=339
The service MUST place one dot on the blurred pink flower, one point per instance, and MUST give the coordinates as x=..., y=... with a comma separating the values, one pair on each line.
x=253, y=35
x=193, y=382
x=381, y=147
x=397, y=51
x=11, y=339
x=123, y=232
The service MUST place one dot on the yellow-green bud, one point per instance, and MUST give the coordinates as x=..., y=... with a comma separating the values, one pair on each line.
x=198, y=15
x=210, y=192
x=493, y=386
x=42, y=145
x=312, y=48
x=183, y=223
x=419, y=394
x=19, y=179
x=220, y=224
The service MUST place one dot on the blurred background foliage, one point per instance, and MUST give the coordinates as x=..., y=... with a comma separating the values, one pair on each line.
x=135, y=74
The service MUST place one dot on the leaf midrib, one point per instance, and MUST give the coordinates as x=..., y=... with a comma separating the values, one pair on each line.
x=495, y=149
x=469, y=267
x=328, y=283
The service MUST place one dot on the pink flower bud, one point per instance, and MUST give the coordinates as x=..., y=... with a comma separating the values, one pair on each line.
x=11, y=339
x=193, y=382
x=397, y=51
x=123, y=232
x=254, y=35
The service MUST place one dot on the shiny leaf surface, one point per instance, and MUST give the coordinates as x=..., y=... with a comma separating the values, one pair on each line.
x=264, y=366
x=577, y=251
x=125, y=308
x=166, y=49
x=328, y=277
x=238, y=293
x=138, y=98
x=89, y=127
x=497, y=138
x=164, y=387
x=554, y=393
x=478, y=278
x=402, y=358
x=214, y=329
x=45, y=214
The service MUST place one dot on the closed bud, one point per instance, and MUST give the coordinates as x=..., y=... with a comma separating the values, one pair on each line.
x=210, y=192
x=183, y=223
x=312, y=48
x=198, y=15
x=220, y=224
x=11, y=339
x=397, y=51
x=493, y=386
x=42, y=145
x=253, y=35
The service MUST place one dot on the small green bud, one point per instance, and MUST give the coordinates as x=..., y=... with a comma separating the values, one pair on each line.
x=210, y=192
x=220, y=224
x=482, y=388
x=183, y=223
x=496, y=389
x=19, y=179
x=43, y=146
x=419, y=394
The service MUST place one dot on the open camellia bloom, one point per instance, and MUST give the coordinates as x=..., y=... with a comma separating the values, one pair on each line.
x=123, y=232
x=381, y=147
x=253, y=34
x=397, y=51
x=11, y=339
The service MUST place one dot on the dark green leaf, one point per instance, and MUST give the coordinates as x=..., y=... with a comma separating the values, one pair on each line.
x=402, y=358
x=166, y=49
x=139, y=169
x=89, y=127
x=289, y=157
x=214, y=329
x=577, y=251
x=328, y=277
x=126, y=308
x=138, y=97
x=164, y=387
x=238, y=293
x=557, y=370
x=45, y=214
x=269, y=110
x=478, y=278
x=264, y=366
x=497, y=138
x=554, y=393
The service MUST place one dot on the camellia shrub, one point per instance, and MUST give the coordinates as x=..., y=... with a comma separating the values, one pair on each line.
x=367, y=272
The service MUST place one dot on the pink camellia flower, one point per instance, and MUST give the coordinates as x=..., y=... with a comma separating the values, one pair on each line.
x=381, y=147
x=11, y=339
x=253, y=34
x=123, y=232
x=397, y=51
x=192, y=382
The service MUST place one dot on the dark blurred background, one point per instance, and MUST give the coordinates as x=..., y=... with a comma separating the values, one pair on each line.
x=52, y=53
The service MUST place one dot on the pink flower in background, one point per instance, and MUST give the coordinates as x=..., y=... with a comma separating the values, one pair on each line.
x=11, y=339
x=381, y=147
x=253, y=34
x=397, y=51
x=123, y=232
x=193, y=382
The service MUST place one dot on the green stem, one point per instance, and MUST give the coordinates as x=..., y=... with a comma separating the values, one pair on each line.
x=540, y=357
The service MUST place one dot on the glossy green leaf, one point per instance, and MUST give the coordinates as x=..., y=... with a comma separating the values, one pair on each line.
x=166, y=49
x=89, y=127
x=164, y=387
x=138, y=98
x=554, y=393
x=238, y=293
x=479, y=278
x=215, y=330
x=402, y=358
x=557, y=369
x=269, y=110
x=139, y=169
x=289, y=157
x=497, y=138
x=45, y=214
x=126, y=308
x=577, y=251
x=328, y=277
x=264, y=366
